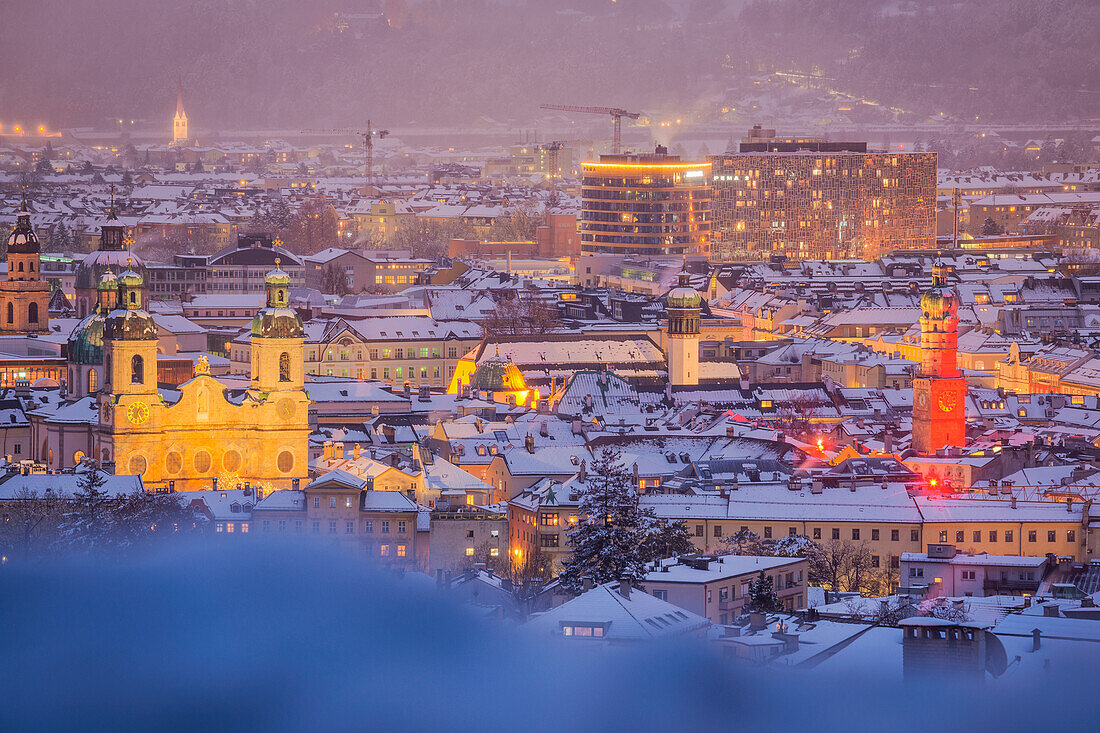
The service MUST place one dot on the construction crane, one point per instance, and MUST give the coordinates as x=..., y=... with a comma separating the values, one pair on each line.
x=617, y=116
x=368, y=145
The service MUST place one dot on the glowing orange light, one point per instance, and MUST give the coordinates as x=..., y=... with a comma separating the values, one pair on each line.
x=932, y=483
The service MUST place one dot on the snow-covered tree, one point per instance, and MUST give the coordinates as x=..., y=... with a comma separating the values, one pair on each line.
x=942, y=608
x=743, y=542
x=800, y=545
x=607, y=540
x=665, y=538
x=90, y=521
x=762, y=598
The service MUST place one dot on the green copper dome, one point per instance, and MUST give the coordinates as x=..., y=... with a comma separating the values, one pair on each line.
x=278, y=323
x=683, y=295
x=497, y=374
x=108, y=281
x=940, y=301
x=85, y=344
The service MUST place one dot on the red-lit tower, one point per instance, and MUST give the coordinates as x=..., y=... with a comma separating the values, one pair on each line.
x=939, y=392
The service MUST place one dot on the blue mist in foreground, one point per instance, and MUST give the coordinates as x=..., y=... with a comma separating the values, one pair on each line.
x=302, y=640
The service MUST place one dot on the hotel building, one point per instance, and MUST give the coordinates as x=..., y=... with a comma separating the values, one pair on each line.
x=645, y=204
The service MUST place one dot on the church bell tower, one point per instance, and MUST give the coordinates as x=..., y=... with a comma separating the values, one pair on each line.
x=939, y=391
x=179, y=121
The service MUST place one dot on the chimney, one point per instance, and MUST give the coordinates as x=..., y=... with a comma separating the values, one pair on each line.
x=1014, y=502
x=479, y=425
x=582, y=474
x=817, y=487
x=636, y=474
x=624, y=587
x=356, y=450
x=1051, y=610
x=1069, y=505
x=529, y=443
x=1036, y=639
x=586, y=584
x=328, y=450
x=544, y=429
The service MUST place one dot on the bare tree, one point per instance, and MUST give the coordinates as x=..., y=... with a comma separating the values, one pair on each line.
x=516, y=315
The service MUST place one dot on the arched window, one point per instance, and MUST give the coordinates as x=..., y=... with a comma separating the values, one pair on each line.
x=93, y=381
x=133, y=297
x=137, y=370
x=30, y=265
x=20, y=266
x=11, y=313
x=280, y=296
x=32, y=313
x=284, y=367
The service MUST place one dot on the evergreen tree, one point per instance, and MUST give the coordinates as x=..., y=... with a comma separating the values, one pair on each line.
x=744, y=542
x=607, y=541
x=90, y=522
x=665, y=538
x=762, y=598
x=991, y=228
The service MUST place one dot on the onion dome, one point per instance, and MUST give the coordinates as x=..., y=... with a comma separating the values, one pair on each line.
x=277, y=319
x=941, y=301
x=108, y=281
x=129, y=322
x=497, y=374
x=683, y=295
x=22, y=239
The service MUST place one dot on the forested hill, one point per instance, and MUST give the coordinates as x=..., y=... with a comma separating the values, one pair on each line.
x=285, y=63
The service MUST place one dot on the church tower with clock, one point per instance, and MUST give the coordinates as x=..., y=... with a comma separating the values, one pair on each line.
x=939, y=390
x=203, y=433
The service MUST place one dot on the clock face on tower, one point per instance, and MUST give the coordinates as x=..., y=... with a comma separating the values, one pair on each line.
x=137, y=413
x=285, y=408
x=921, y=399
x=948, y=401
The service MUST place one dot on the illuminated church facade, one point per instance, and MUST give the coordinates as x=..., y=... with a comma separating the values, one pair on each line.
x=199, y=435
x=939, y=390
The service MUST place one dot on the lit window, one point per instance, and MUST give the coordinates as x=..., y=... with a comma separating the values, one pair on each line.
x=401, y=551
x=469, y=552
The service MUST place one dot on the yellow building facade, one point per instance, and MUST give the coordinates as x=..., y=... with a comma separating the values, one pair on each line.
x=209, y=433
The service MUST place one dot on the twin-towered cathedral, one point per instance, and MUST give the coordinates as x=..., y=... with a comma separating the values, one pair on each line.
x=116, y=414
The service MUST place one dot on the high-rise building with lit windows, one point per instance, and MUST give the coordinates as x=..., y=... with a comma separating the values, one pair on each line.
x=809, y=199
x=645, y=204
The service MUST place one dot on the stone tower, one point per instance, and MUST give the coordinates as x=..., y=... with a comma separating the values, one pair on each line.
x=24, y=295
x=129, y=345
x=277, y=339
x=939, y=391
x=179, y=121
x=683, y=306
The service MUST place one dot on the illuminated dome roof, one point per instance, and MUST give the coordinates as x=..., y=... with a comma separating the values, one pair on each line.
x=277, y=319
x=22, y=239
x=279, y=323
x=683, y=295
x=277, y=276
x=130, y=279
x=108, y=281
x=129, y=322
x=497, y=374
x=940, y=301
x=85, y=344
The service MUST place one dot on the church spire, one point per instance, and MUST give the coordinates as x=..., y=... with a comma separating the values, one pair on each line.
x=179, y=100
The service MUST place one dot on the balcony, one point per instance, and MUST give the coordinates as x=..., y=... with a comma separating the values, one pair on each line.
x=1009, y=587
x=730, y=604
